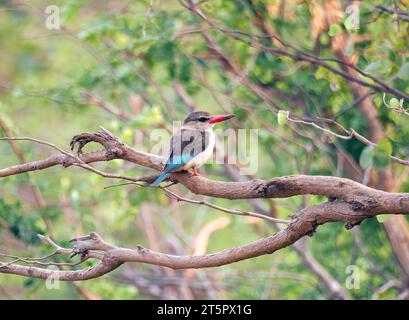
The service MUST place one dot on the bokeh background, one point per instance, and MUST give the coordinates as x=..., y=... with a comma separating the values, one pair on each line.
x=133, y=66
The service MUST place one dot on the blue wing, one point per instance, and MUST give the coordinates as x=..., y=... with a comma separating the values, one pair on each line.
x=159, y=179
x=172, y=165
x=185, y=145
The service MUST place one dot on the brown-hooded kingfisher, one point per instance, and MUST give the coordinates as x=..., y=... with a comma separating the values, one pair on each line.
x=192, y=145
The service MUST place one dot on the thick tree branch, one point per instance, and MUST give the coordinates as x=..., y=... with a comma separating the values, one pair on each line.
x=350, y=202
x=353, y=193
x=304, y=223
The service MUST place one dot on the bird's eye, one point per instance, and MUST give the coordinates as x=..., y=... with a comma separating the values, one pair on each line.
x=203, y=119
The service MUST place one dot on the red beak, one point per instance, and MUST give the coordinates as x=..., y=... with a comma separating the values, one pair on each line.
x=216, y=119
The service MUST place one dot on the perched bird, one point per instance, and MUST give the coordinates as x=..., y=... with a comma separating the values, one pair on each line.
x=192, y=145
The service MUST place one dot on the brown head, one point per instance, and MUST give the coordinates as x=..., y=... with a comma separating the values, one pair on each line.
x=204, y=119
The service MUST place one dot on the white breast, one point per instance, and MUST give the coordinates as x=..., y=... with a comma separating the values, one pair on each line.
x=202, y=157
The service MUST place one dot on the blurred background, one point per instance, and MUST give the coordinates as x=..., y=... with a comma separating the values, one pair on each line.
x=133, y=66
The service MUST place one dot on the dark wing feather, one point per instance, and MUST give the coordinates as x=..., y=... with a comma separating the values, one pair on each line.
x=184, y=146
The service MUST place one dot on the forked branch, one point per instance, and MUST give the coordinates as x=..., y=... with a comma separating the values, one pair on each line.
x=349, y=201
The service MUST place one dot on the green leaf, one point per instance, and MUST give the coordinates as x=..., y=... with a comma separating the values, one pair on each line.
x=394, y=103
x=382, y=217
x=282, y=117
x=366, y=157
x=324, y=39
x=334, y=30
x=320, y=73
x=382, y=153
x=349, y=24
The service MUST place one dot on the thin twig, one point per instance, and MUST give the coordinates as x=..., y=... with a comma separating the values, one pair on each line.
x=231, y=211
x=208, y=204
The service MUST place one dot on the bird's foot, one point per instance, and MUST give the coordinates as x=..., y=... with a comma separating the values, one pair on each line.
x=194, y=174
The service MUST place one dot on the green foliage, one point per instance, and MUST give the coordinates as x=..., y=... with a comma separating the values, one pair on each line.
x=133, y=58
x=379, y=156
x=366, y=157
x=334, y=30
x=382, y=153
x=23, y=227
x=349, y=24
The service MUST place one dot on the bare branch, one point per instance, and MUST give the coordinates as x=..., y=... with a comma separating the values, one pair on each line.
x=231, y=211
x=350, y=202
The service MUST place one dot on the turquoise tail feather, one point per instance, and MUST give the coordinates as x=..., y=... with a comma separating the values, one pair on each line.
x=174, y=164
x=159, y=179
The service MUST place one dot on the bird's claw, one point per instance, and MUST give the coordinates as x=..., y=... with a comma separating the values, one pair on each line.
x=194, y=174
